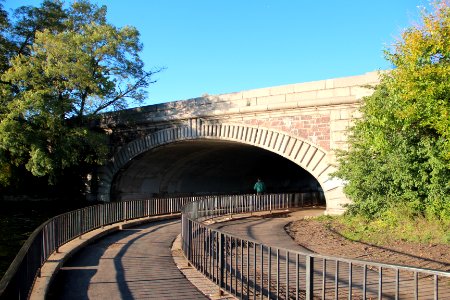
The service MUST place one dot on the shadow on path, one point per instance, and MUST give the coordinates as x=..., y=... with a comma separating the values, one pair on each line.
x=134, y=263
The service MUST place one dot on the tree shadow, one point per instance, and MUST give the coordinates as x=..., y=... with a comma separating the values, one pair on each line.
x=446, y=265
x=74, y=278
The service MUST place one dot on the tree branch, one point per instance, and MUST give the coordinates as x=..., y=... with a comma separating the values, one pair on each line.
x=137, y=85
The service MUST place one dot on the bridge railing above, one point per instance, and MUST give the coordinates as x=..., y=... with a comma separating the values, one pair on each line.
x=250, y=269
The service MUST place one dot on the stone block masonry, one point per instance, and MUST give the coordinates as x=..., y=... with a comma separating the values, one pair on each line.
x=319, y=111
x=304, y=122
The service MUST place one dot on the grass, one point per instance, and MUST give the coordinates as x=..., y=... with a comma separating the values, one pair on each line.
x=396, y=225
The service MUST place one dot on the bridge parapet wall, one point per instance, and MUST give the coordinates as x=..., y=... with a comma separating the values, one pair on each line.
x=319, y=111
x=347, y=90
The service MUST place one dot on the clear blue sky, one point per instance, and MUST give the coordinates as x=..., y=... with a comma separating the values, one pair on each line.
x=218, y=47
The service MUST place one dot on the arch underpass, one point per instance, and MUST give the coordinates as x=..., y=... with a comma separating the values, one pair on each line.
x=216, y=158
x=195, y=167
x=288, y=135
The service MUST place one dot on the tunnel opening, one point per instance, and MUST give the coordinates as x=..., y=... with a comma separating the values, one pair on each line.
x=205, y=167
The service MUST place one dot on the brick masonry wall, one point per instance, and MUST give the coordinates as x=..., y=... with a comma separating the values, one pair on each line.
x=314, y=128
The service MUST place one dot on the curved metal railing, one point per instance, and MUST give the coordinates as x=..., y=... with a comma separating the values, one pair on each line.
x=48, y=237
x=249, y=269
x=244, y=267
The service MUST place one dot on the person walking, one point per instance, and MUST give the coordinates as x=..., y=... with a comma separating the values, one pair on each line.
x=260, y=187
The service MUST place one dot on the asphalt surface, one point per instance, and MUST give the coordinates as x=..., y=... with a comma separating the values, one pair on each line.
x=137, y=263
x=133, y=263
x=268, y=229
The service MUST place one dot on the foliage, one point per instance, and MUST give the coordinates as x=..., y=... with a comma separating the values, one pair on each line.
x=65, y=66
x=399, y=151
x=5, y=44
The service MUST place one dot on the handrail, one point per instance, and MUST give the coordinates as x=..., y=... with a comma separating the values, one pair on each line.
x=249, y=269
x=243, y=267
x=18, y=280
x=8, y=278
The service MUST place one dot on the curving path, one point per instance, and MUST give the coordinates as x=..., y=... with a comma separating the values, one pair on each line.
x=268, y=229
x=137, y=263
x=134, y=263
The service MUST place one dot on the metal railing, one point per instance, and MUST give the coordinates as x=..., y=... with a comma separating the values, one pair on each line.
x=249, y=269
x=244, y=267
x=48, y=237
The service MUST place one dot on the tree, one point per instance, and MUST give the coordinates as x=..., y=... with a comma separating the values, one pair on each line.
x=5, y=43
x=18, y=36
x=64, y=74
x=399, y=152
x=30, y=20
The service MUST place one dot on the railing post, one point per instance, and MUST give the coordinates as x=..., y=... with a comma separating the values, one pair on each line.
x=81, y=223
x=102, y=216
x=124, y=211
x=287, y=199
x=56, y=240
x=221, y=260
x=270, y=205
x=189, y=240
x=309, y=277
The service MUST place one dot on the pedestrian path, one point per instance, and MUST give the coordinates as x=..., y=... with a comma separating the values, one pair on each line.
x=134, y=263
x=331, y=279
x=266, y=228
x=138, y=263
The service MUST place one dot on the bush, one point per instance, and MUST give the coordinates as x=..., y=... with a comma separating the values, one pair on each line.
x=399, y=151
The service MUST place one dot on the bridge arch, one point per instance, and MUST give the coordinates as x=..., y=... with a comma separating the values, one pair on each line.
x=310, y=157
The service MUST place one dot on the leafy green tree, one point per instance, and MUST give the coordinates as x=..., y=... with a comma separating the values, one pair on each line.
x=64, y=74
x=29, y=20
x=16, y=37
x=5, y=43
x=399, y=152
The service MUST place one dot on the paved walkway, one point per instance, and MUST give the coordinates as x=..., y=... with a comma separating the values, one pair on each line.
x=137, y=263
x=134, y=263
x=267, y=228
x=270, y=231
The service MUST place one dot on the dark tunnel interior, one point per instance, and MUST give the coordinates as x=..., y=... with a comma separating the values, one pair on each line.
x=208, y=167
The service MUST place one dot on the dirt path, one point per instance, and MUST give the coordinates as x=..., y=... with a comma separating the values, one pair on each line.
x=315, y=236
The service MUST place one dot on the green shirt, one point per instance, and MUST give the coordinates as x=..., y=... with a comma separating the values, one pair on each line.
x=260, y=187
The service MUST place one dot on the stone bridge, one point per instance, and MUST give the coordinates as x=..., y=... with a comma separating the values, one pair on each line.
x=287, y=135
